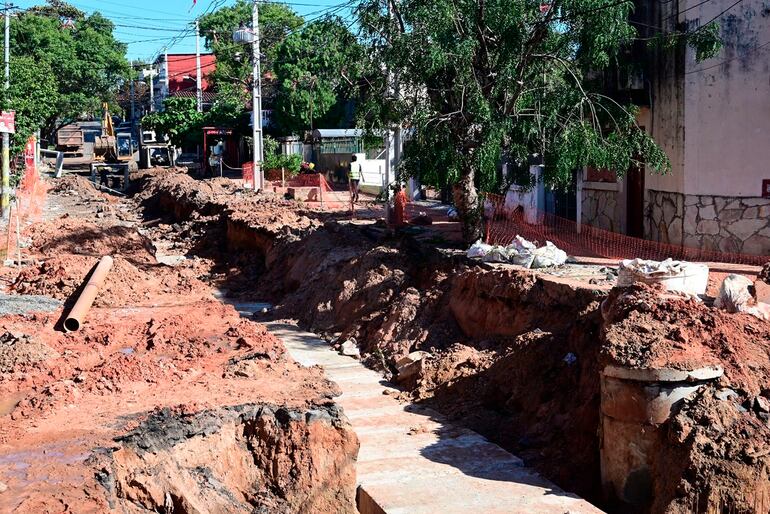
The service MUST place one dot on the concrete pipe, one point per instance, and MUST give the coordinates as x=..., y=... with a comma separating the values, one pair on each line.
x=634, y=405
x=74, y=320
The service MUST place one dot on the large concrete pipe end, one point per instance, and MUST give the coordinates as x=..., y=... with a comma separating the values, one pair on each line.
x=634, y=405
x=77, y=315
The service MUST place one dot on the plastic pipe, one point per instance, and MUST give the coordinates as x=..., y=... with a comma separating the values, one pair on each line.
x=83, y=304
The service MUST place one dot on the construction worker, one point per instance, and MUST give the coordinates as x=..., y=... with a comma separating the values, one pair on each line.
x=355, y=176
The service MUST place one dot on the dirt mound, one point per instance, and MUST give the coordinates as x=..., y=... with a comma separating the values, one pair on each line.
x=126, y=285
x=182, y=194
x=76, y=236
x=717, y=456
x=644, y=329
x=253, y=221
x=81, y=187
x=19, y=350
x=251, y=458
x=271, y=214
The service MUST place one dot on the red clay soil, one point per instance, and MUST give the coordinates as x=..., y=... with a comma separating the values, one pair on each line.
x=81, y=187
x=645, y=330
x=165, y=400
x=505, y=345
x=517, y=355
x=184, y=194
x=718, y=445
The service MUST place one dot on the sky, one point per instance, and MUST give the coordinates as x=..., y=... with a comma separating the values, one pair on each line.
x=148, y=25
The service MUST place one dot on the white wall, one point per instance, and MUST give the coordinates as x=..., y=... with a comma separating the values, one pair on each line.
x=727, y=103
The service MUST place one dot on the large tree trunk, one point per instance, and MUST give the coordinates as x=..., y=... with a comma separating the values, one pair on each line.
x=467, y=202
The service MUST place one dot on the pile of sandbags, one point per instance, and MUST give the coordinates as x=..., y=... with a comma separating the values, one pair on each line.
x=520, y=252
x=679, y=276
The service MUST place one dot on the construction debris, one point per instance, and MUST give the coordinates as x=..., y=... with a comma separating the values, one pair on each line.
x=521, y=253
x=675, y=276
x=737, y=294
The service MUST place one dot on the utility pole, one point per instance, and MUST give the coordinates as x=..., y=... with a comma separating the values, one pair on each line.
x=388, y=132
x=5, y=200
x=257, y=99
x=152, y=89
x=198, y=87
x=133, y=96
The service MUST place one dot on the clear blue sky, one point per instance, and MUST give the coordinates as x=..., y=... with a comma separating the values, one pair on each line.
x=147, y=25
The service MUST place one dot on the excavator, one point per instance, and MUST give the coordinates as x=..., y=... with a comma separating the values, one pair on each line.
x=113, y=155
x=111, y=147
x=85, y=142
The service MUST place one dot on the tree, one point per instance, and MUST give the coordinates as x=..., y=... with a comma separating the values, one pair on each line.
x=234, y=69
x=179, y=120
x=32, y=95
x=315, y=69
x=479, y=79
x=79, y=51
x=183, y=124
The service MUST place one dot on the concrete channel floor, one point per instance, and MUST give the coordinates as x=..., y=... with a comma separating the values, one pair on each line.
x=412, y=461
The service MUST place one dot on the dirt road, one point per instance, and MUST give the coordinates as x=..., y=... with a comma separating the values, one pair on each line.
x=166, y=397
x=513, y=354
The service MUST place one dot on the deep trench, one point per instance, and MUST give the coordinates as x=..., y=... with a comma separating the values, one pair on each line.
x=517, y=356
x=518, y=401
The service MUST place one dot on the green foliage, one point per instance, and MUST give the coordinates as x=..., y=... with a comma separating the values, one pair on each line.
x=234, y=60
x=79, y=52
x=183, y=124
x=706, y=41
x=315, y=70
x=179, y=120
x=479, y=80
x=275, y=160
x=32, y=95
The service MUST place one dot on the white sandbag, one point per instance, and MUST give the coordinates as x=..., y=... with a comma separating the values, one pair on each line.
x=496, y=254
x=519, y=243
x=478, y=250
x=677, y=276
x=520, y=257
x=549, y=256
x=735, y=294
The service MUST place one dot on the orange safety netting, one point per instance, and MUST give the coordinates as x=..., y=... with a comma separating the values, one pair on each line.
x=503, y=225
x=309, y=180
x=26, y=207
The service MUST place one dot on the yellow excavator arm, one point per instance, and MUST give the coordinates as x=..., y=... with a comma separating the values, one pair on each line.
x=108, y=129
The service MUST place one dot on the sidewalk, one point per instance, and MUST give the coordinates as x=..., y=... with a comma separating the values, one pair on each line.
x=412, y=461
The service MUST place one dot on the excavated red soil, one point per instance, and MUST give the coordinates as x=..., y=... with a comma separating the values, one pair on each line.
x=166, y=399
x=81, y=187
x=718, y=444
x=517, y=354
x=645, y=330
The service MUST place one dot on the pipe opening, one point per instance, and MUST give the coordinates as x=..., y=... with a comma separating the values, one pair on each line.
x=71, y=325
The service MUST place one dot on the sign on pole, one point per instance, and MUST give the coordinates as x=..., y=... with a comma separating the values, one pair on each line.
x=8, y=122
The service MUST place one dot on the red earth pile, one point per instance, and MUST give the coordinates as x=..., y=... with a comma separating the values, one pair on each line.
x=517, y=354
x=91, y=421
x=718, y=450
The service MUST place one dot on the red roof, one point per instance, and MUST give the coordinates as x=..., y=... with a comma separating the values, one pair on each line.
x=181, y=71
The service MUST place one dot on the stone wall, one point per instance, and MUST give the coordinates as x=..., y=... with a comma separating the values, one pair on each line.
x=725, y=224
x=600, y=209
